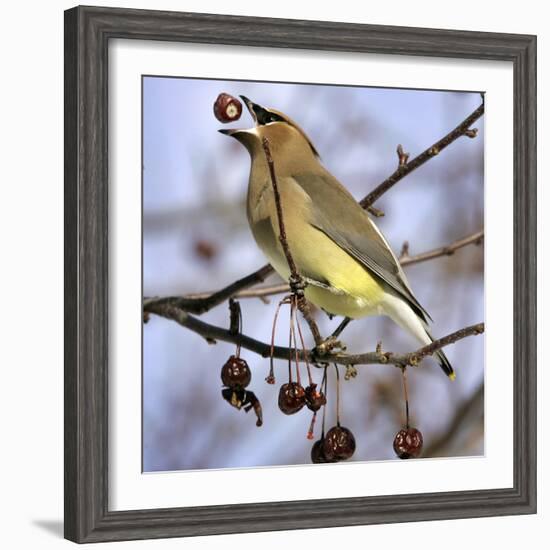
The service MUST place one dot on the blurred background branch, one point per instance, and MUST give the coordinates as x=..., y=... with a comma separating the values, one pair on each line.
x=468, y=410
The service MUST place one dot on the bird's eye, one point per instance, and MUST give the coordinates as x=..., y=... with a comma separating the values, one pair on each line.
x=265, y=117
x=271, y=118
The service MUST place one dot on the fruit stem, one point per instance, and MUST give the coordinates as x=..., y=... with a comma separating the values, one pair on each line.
x=302, y=342
x=271, y=376
x=235, y=322
x=290, y=356
x=406, y=392
x=294, y=342
x=311, y=426
x=337, y=395
x=238, y=351
x=324, y=389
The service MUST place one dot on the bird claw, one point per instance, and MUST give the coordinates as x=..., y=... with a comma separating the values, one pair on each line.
x=327, y=346
x=297, y=285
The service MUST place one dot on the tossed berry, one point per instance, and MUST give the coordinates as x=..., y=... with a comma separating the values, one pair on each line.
x=318, y=453
x=408, y=443
x=315, y=399
x=227, y=108
x=236, y=373
x=292, y=397
x=339, y=444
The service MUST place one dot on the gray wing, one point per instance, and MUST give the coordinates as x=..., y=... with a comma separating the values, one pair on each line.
x=351, y=228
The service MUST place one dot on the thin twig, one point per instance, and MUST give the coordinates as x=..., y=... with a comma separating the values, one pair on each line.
x=406, y=395
x=430, y=349
x=282, y=232
x=201, y=305
x=337, y=395
x=449, y=250
x=406, y=167
x=296, y=281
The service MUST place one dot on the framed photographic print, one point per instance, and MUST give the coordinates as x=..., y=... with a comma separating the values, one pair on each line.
x=300, y=274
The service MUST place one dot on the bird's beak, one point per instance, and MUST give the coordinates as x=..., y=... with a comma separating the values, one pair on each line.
x=229, y=132
x=253, y=108
x=238, y=133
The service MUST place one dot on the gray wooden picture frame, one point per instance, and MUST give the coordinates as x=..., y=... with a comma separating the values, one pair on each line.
x=87, y=34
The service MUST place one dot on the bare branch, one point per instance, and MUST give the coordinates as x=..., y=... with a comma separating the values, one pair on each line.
x=449, y=250
x=405, y=167
x=296, y=281
x=430, y=349
x=214, y=333
x=282, y=232
x=203, y=304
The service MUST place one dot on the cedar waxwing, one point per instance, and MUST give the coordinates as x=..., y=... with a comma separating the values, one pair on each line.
x=348, y=264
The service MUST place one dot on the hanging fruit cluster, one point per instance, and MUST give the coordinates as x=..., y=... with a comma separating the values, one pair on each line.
x=334, y=445
x=338, y=443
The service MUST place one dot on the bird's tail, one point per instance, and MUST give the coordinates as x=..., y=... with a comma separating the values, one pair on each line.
x=444, y=363
x=404, y=316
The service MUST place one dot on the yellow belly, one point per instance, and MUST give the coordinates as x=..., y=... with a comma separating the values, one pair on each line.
x=355, y=292
x=346, y=305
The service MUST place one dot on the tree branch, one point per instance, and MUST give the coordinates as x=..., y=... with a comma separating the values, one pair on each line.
x=203, y=303
x=282, y=232
x=405, y=166
x=449, y=250
x=296, y=281
x=416, y=356
x=213, y=333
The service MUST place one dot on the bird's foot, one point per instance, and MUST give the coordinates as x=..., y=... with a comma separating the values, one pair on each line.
x=327, y=346
x=297, y=285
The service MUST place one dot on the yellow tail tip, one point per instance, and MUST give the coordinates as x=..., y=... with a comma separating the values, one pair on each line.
x=452, y=376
